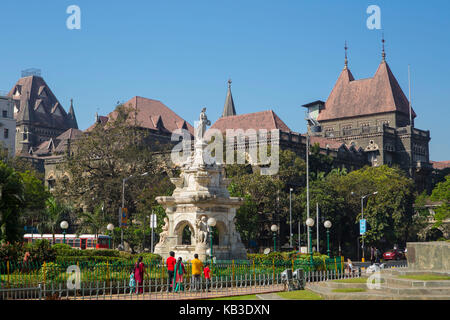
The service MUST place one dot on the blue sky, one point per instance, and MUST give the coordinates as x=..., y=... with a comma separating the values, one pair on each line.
x=279, y=54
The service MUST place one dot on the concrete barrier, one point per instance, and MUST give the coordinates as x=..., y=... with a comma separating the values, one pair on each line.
x=429, y=256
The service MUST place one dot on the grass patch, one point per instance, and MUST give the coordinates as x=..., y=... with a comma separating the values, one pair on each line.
x=424, y=277
x=247, y=297
x=349, y=290
x=300, y=295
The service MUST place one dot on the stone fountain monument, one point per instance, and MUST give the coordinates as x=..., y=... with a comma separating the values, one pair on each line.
x=201, y=193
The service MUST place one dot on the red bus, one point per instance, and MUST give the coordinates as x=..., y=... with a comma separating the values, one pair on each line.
x=82, y=242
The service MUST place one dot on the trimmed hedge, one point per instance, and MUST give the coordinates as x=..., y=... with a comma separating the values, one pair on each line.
x=65, y=260
x=284, y=256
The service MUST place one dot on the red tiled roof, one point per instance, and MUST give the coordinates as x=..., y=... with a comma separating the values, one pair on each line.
x=325, y=143
x=440, y=165
x=149, y=113
x=258, y=120
x=70, y=134
x=31, y=89
x=351, y=98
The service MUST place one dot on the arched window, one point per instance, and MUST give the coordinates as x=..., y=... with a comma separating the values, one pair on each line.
x=186, y=237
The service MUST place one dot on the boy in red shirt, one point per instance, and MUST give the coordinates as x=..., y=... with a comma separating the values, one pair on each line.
x=170, y=262
x=207, y=273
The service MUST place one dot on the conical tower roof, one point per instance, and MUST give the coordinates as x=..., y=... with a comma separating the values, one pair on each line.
x=228, y=109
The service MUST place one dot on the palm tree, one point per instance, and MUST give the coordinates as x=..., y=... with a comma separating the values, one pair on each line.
x=93, y=222
x=53, y=214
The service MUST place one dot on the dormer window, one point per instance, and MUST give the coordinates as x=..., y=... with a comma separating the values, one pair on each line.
x=17, y=91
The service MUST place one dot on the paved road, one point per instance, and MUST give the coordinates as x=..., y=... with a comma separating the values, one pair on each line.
x=394, y=263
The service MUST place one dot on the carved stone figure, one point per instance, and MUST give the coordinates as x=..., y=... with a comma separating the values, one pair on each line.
x=201, y=129
x=202, y=230
x=163, y=235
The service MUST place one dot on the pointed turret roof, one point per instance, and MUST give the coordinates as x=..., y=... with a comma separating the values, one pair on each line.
x=228, y=109
x=379, y=94
x=71, y=116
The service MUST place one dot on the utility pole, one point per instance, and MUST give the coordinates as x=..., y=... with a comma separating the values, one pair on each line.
x=307, y=186
x=317, y=222
x=290, y=217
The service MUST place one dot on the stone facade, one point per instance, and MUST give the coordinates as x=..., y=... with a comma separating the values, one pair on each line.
x=429, y=256
x=7, y=125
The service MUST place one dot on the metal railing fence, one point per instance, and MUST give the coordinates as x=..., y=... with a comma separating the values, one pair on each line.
x=111, y=281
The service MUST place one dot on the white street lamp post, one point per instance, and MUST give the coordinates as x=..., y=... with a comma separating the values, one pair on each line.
x=64, y=225
x=211, y=223
x=274, y=229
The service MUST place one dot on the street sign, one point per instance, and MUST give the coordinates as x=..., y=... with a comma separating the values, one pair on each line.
x=153, y=221
x=123, y=217
x=362, y=226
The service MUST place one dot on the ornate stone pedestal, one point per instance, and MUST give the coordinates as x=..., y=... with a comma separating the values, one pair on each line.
x=201, y=193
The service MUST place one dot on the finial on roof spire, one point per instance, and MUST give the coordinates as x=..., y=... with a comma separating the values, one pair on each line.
x=229, y=83
x=383, y=54
x=346, y=60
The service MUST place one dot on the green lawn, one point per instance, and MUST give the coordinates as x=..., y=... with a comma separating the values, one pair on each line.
x=300, y=295
x=248, y=297
x=424, y=277
x=349, y=290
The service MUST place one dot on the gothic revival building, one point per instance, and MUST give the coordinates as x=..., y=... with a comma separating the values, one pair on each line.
x=344, y=155
x=150, y=115
x=374, y=115
x=38, y=113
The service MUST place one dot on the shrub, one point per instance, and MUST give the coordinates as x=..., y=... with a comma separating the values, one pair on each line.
x=49, y=271
x=148, y=257
x=11, y=252
x=42, y=251
x=67, y=260
x=61, y=246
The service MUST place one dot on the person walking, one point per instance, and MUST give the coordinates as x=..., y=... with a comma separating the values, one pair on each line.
x=207, y=273
x=179, y=272
x=197, y=267
x=377, y=255
x=139, y=275
x=170, y=262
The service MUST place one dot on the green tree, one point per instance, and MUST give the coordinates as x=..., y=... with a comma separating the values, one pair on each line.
x=12, y=200
x=389, y=213
x=104, y=157
x=35, y=195
x=54, y=213
x=93, y=222
x=441, y=193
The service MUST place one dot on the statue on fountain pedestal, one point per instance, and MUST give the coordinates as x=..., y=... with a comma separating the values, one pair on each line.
x=202, y=230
